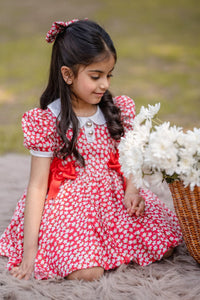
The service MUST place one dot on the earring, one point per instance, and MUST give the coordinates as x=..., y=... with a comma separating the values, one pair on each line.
x=69, y=81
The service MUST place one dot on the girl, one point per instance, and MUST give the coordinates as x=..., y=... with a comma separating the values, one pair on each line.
x=78, y=216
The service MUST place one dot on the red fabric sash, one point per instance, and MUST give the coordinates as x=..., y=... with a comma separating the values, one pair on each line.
x=115, y=165
x=58, y=173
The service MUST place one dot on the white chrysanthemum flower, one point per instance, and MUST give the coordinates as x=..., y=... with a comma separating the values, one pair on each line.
x=174, y=132
x=146, y=113
x=195, y=133
x=192, y=178
x=186, y=161
x=190, y=141
x=141, y=134
x=180, y=139
x=131, y=163
x=161, y=152
x=153, y=110
x=138, y=179
x=139, y=118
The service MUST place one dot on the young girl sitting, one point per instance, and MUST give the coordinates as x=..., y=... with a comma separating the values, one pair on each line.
x=79, y=216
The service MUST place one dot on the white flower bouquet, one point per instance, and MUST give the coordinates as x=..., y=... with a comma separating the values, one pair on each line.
x=160, y=150
x=164, y=152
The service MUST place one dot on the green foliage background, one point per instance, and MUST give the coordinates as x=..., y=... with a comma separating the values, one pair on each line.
x=158, y=55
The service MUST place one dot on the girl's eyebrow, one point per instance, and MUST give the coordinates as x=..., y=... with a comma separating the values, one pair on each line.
x=97, y=71
x=100, y=71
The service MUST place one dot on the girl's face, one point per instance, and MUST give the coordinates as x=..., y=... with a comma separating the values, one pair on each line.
x=91, y=83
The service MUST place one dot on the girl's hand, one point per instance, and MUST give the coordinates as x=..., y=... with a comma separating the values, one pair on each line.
x=134, y=203
x=25, y=269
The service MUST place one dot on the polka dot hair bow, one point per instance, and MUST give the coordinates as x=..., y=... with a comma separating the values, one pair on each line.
x=56, y=28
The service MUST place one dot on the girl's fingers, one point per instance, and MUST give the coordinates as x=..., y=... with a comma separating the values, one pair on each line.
x=20, y=276
x=20, y=273
x=137, y=209
x=28, y=276
x=129, y=211
x=14, y=272
x=141, y=207
x=134, y=204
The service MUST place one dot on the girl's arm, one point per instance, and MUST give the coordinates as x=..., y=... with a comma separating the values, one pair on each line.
x=36, y=193
x=132, y=200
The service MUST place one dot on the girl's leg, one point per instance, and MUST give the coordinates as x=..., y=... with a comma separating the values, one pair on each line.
x=168, y=253
x=89, y=274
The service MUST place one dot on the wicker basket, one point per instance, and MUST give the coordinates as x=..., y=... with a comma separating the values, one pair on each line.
x=187, y=207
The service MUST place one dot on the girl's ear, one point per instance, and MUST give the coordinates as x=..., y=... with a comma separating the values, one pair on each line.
x=67, y=74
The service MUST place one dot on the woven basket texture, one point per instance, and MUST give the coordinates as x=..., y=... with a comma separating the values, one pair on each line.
x=187, y=207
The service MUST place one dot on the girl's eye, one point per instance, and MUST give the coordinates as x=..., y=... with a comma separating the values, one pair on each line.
x=97, y=77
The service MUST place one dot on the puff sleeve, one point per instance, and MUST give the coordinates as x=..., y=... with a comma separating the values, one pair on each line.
x=40, y=135
x=127, y=108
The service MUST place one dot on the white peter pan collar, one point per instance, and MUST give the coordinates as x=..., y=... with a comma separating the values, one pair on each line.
x=98, y=118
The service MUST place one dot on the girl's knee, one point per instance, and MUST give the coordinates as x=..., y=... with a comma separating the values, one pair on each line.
x=89, y=274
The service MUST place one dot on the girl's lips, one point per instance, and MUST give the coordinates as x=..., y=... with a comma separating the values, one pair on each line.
x=99, y=94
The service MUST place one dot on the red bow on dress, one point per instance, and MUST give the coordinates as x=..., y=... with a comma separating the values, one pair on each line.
x=58, y=173
x=56, y=28
x=115, y=165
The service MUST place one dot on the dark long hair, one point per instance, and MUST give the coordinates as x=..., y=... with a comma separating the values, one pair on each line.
x=81, y=43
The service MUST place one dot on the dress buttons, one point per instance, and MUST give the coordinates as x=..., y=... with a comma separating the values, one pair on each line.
x=91, y=132
x=89, y=124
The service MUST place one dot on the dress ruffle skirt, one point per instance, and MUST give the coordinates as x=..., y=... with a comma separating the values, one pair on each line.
x=88, y=225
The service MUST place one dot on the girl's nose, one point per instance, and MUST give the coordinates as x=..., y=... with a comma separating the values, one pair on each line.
x=104, y=84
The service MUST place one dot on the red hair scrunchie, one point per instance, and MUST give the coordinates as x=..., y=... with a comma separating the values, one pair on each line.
x=56, y=28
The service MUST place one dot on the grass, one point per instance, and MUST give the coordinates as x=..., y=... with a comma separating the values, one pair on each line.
x=158, y=55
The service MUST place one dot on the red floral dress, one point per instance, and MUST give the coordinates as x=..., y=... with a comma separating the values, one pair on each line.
x=84, y=222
